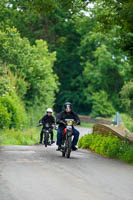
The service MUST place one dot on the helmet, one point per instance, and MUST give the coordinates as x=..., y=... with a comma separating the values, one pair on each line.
x=49, y=110
x=68, y=104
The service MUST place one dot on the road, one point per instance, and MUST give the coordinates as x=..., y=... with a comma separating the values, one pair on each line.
x=39, y=173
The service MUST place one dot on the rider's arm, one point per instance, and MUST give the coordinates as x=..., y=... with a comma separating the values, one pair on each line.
x=53, y=120
x=42, y=120
x=77, y=119
x=59, y=119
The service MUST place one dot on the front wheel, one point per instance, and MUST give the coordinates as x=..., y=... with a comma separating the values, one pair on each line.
x=69, y=146
x=46, y=139
x=63, y=154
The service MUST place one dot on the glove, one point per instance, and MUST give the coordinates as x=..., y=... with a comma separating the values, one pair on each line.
x=62, y=122
x=78, y=122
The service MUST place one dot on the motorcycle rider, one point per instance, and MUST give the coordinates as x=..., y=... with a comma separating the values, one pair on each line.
x=67, y=114
x=48, y=118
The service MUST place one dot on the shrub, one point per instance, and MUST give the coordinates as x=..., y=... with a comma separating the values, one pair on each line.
x=101, y=105
x=128, y=121
x=14, y=113
x=127, y=97
x=17, y=137
x=110, y=146
x=5, y=117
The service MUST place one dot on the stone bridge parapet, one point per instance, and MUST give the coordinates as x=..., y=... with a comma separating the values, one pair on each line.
x=119, y=131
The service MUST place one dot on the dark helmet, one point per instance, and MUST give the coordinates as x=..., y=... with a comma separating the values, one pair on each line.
x=68, y=104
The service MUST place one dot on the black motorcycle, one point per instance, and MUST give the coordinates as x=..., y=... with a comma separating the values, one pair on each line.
x=67, y=138
x=47, y=129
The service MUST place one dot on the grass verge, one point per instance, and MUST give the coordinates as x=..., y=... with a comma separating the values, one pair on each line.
x=110, y=146
x=128, y=122
x=18, y=137
x=88, y=125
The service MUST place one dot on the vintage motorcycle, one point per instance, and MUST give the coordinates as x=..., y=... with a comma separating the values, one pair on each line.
x=47, y=128
x=67, y=138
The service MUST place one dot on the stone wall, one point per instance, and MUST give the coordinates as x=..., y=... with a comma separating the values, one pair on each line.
x=120, y=131
x=87, y=119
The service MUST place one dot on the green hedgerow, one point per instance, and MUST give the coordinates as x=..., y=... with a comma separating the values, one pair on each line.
x=110, y=146
x=5, y=117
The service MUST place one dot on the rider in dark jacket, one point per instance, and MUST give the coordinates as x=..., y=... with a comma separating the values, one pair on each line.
x=48, y=118
x=67, y=114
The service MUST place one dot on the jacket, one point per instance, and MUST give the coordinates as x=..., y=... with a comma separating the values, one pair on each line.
x=66, y=115
x=47, y=119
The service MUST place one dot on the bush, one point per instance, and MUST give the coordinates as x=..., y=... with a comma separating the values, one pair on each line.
x=13, y=114
x=128, y=121
x=110, y=146
x=5, y=117
x=30, y=136
x=13, y=137
x=101, y=105
x=127, y=97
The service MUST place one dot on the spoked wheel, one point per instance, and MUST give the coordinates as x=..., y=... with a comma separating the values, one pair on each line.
x=69, y=146
x=46, y=139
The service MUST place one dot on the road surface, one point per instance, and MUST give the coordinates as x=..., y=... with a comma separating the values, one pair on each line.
x=39, y=173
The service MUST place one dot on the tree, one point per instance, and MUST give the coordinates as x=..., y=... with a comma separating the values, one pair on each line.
x=116, y=13
x=102, y=107
x=127, y=97
x=33, y=64
x=105, y=67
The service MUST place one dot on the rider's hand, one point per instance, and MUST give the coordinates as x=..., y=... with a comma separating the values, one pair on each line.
x=76, y=122
x=62, y=122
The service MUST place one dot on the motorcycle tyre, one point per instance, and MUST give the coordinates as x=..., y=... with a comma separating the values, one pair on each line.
x=46, y=139
x=69, y=146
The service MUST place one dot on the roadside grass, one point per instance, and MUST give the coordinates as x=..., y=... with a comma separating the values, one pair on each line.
x=128, y=122
x=88, y=125
x=110, y=146
x=21, y=137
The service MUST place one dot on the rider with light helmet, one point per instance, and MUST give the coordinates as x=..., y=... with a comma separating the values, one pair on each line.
x=48, y=118
x=67, y=114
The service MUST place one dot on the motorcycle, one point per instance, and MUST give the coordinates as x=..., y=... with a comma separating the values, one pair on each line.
x=67, y=138
x=47, y=128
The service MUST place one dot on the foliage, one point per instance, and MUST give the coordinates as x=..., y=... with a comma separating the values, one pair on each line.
x=93, y=51
x=88, y=125
x=128, y=121
x=33, y=64
x=16, y=112
x=105, y=67
x=110, y=146
x=101, y=105
x=5, y=117
x=127, y=97
x=111, y=13
x=13, y=137
x=13, y=112
x=28, y=136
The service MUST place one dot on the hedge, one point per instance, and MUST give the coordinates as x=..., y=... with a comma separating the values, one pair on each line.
x=110, y=146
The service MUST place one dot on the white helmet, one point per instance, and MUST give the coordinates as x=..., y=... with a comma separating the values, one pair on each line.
x=49, y=110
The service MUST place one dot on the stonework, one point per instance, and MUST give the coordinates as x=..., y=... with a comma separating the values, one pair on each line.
x=120, y=131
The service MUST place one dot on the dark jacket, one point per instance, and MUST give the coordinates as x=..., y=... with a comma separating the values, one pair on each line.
x=47, y=119
x=66, y=115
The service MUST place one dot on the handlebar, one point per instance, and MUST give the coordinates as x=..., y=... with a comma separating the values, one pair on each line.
x=51, y=125
x=67, y=120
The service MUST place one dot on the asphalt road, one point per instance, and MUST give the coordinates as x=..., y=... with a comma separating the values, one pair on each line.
x=39, y=173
